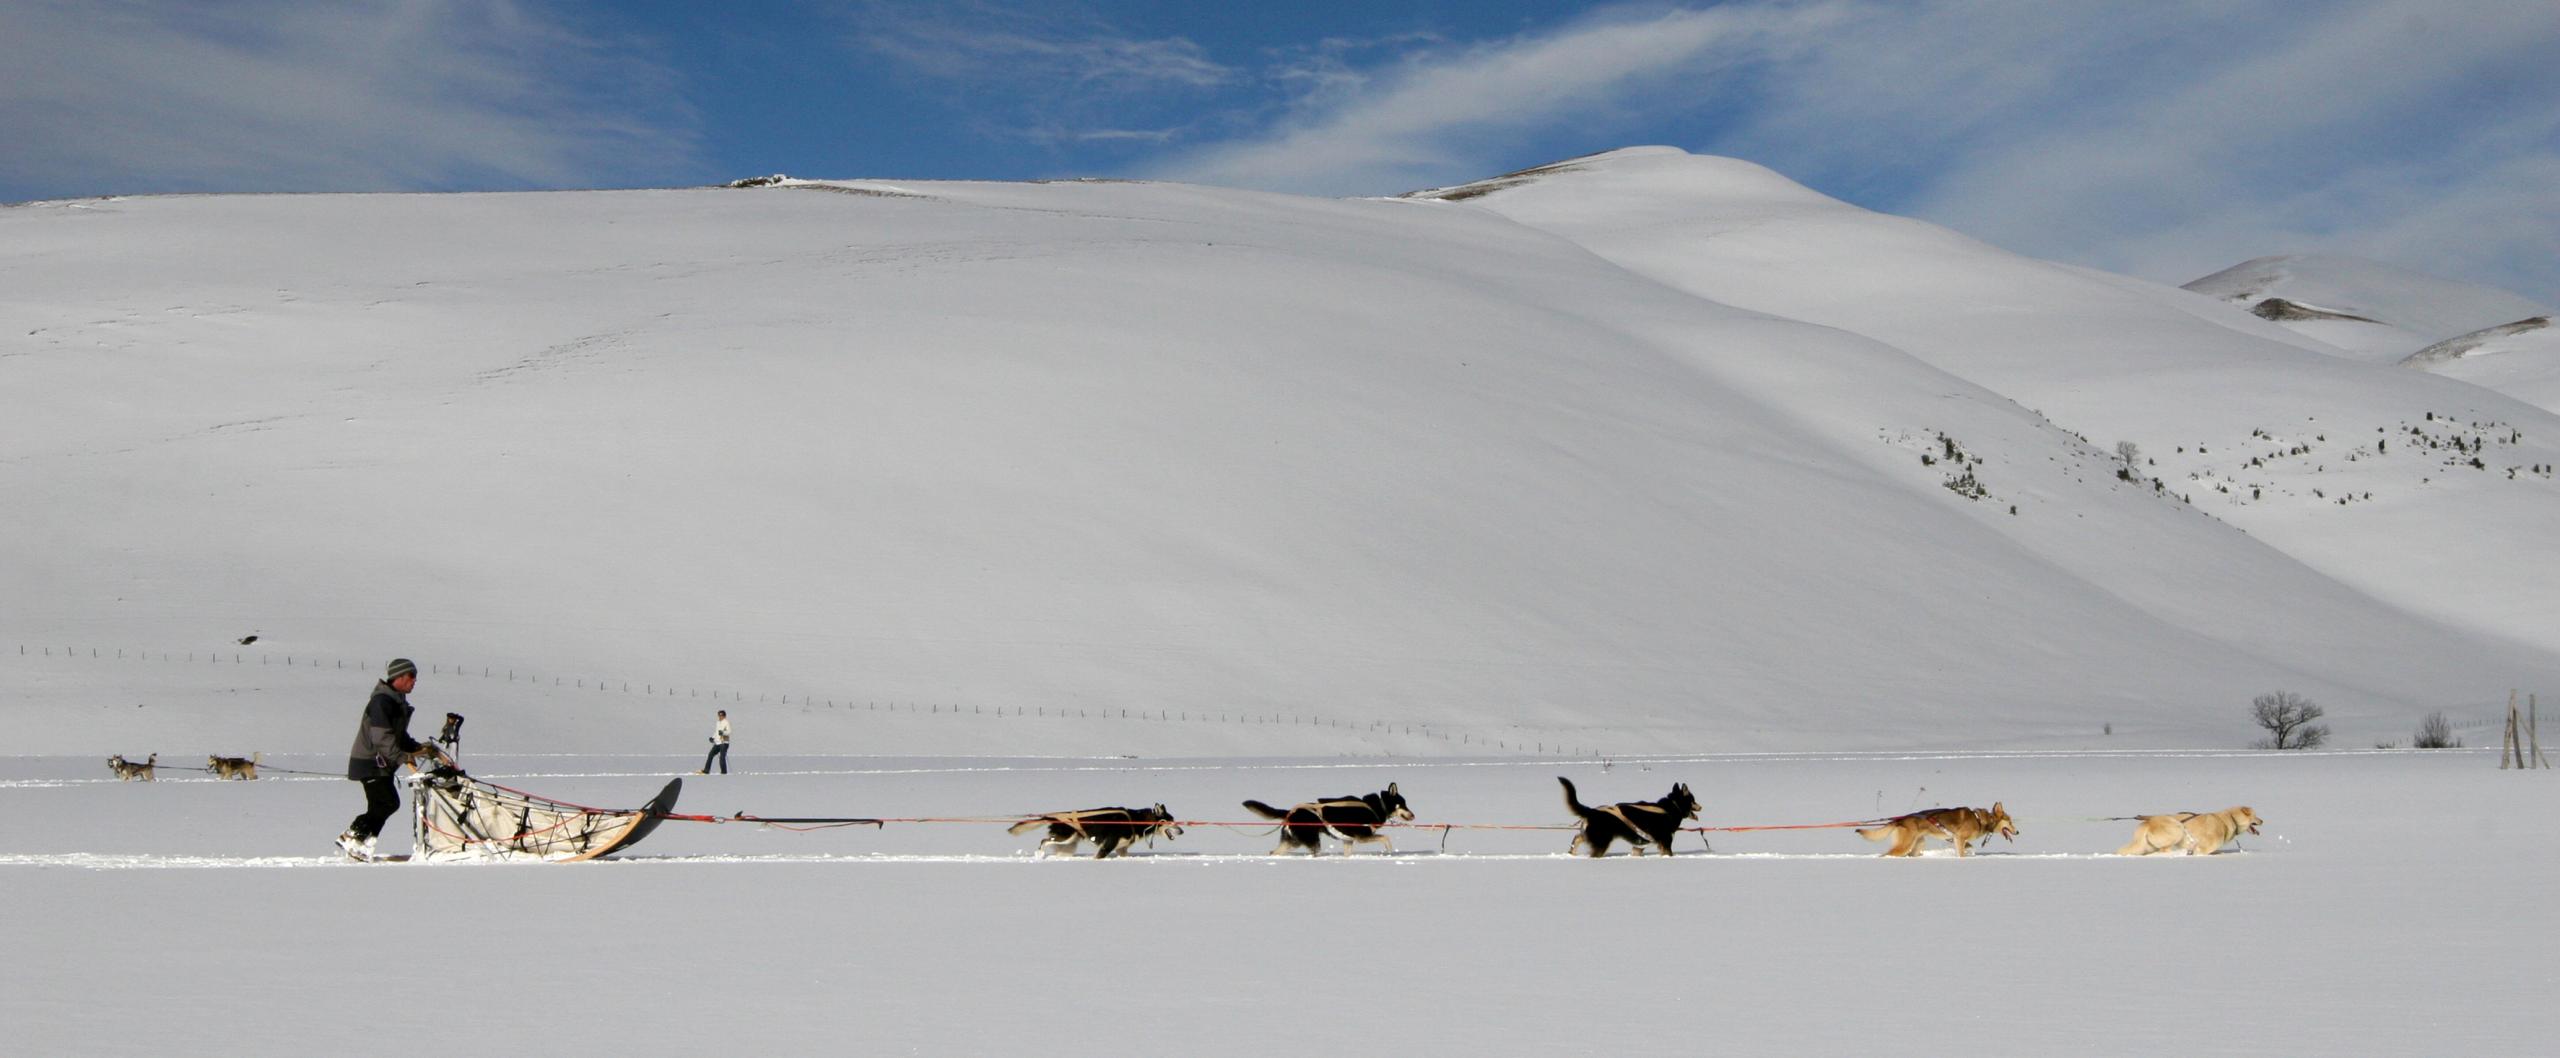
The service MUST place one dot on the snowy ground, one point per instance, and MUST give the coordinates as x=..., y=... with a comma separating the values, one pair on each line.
x=992, y=499
x=2395, y=904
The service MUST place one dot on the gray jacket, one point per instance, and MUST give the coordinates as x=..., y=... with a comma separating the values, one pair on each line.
x=383, y=736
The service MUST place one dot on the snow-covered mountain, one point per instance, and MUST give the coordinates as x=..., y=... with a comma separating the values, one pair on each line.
x=2520, y=359
x=2366, y=309
x=1642, y=450
x=2360, y=471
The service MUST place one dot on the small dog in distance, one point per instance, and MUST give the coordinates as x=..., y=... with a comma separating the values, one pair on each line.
x=234, y=767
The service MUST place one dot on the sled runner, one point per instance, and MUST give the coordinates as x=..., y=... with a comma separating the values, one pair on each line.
x=462, y=818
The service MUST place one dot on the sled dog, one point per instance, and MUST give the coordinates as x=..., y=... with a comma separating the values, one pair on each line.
x=234, y=767
x=1961, y=827
x=2190, y=833
x=1352, y=820
x=1638, y=823
x=1112, y=830
x=129, y=771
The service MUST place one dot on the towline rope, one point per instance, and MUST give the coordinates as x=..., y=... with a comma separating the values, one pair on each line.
x=1792, y=826
x=822, y=822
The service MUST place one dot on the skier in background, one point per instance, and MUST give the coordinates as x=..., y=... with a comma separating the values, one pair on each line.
x=719, y=746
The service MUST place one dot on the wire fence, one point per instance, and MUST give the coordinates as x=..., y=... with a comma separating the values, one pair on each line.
x=650, y=689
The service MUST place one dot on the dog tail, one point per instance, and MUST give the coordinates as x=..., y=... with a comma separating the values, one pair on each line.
x=1882, y=833
x=1573, y=799
x=1027, y=824
x=1266, y=811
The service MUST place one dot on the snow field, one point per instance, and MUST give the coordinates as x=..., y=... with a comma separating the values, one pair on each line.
x=2386, y=909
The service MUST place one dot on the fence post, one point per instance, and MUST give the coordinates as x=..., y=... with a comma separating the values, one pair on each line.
x=2533, y=728
x=2508, y=757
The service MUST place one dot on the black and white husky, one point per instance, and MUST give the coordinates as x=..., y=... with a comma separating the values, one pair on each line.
x=1112, y=830
x=1638, y=823
x=1353, y=820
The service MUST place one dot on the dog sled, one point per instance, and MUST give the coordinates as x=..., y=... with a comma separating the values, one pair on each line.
x=460, y=818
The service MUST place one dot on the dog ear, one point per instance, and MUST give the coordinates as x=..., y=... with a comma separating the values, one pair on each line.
x=1391, y=787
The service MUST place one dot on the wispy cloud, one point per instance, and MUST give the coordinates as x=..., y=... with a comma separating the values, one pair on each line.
x=2172, y=140
x=1428, y=111
x=947, y=46
x=1043, y=73
x=266, y=95
x=2165, y=139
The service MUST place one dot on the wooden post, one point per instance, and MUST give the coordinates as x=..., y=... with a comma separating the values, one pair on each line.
x=2507, y=756
x=2533, y=728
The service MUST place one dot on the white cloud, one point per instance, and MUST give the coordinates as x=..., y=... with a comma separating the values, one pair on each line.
x=1047, y=73
x=1025, y=49
x=2166, y=139
x=1403, y=125
x=939, y=48
x=268, y=95
x=2413, y=134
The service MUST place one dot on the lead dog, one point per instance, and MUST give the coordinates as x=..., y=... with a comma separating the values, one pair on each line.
x=2190, y=833
x=1110, y=829
x=1639, y=823
x=234, y=767
x=1961, y=827
x=1352, y=820
x=129, y=771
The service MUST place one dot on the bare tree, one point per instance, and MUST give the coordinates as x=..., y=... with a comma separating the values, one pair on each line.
x=2130, y=455
x=2288, y=719
x=2436, y=732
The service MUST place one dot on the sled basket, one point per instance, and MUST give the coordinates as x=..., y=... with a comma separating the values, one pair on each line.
x=462, y=818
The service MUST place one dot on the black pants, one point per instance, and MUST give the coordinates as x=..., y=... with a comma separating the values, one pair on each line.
x=719, y=752
x=380, y=800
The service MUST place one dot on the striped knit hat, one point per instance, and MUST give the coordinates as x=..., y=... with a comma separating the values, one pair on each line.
x=400, y=667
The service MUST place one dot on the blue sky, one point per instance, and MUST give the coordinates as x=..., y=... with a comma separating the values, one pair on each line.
x=2165, y=138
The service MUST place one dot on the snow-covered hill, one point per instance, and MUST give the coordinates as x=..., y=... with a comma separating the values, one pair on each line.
x=2368, y=310
x=2520, y=359
x=2362, y=471
x=1663, y=451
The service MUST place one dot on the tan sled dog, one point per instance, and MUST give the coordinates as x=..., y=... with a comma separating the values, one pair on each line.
x=1961, y=827
x=234, y=767
x=2191, y=833
x=130, y=771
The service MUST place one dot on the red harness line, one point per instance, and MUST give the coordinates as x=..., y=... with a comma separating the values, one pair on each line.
x=822, y=824
x=1444, y=828
x=1254, y=824
x=1792, y=826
